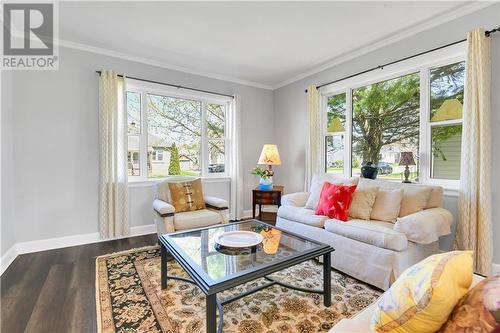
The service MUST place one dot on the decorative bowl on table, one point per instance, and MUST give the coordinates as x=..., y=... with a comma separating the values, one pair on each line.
x=238, y=239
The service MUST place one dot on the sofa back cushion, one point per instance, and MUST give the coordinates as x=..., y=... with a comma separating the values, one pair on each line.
x=387, y=205
x=415, y=199
x=317, y=184
x=412, y=194
x=362, y=202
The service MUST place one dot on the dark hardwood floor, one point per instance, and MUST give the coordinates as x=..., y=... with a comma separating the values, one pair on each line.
x=54, y=291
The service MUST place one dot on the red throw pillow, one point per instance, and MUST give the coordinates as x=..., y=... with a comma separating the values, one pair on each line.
x=334, y=201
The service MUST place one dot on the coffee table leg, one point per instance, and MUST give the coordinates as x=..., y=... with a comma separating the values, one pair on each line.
x=327, y=280
x=211, y=313
x=163, y=267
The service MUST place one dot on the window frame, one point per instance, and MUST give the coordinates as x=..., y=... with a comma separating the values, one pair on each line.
x=145, y=88
x=422, y=65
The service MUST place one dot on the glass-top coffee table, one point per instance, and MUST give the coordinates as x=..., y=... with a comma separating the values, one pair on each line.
x=215, y=269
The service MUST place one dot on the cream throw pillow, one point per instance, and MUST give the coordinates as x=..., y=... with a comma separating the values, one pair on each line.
x=415, y=199
x=317, y=185
x=387, y=205
x=362, y=202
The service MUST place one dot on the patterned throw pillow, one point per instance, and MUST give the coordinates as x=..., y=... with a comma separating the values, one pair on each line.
x=187, y=196
x=477, y=309
x=425, y=294
x=334, y=201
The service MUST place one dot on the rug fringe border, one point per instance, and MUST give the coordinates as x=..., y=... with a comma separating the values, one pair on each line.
x=97, y=298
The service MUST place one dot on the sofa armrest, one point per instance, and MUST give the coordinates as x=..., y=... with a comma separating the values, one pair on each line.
x=163, y=208
x=426, y=226
x=216, y=203
x=297, y=199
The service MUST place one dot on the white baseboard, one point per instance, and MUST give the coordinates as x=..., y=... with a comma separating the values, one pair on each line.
x=496, y=269
x=66, y=241
x=247, y=214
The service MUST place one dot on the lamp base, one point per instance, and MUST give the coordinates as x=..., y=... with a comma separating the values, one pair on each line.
x=266, y=184
x=407, y=175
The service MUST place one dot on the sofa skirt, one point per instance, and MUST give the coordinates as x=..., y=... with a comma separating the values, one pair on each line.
x=371, y=264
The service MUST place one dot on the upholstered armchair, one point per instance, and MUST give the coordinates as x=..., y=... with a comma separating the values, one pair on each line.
x=167, y=220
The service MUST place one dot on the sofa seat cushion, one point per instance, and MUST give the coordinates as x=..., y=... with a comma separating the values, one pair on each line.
x=302, y=215
x=377, y=233
x=196, y=219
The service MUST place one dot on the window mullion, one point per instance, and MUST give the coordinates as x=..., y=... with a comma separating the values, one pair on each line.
x=348, y=135
x=143, y=140
x=425, y=133
x=204, y=143
x=323, y=133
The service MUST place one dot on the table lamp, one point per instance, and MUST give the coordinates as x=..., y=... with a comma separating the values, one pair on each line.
x=269, y=156
x=406, y=159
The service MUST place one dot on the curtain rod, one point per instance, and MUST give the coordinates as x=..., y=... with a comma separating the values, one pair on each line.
x=487, y=33
x=172, y=85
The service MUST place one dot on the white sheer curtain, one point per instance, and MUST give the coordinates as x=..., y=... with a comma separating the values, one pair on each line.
x=236, y=202
x=313, y=160
x=113, y=198
x=474, y=203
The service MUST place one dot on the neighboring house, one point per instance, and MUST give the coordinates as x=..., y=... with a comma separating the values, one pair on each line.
x=158, y=157
x=186, y=162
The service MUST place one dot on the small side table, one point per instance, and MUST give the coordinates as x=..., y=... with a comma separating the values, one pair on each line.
x=263, y=197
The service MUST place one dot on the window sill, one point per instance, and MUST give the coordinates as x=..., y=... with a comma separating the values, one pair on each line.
x=449, y=189
x=153, y=182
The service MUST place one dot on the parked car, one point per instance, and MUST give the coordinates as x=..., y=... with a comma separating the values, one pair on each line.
x=216, y=168
x=384, y=168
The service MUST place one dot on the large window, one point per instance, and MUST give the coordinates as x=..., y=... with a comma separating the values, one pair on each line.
x=447, y=97
x=171, y=134
x=417, y=111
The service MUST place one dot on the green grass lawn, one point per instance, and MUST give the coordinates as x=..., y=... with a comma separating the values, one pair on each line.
x=394, y=175
x=183, y=173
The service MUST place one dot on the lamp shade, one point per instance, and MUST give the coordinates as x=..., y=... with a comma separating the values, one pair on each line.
x=406, y=158
x=269, y=155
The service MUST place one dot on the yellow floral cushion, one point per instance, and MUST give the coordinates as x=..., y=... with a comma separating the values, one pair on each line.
x=187, y=196
x=425, y=294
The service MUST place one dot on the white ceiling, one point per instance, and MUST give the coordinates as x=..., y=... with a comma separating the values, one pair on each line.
x=265, y=44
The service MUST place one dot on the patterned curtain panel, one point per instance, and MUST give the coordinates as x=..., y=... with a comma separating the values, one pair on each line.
x=313, y=143
x=236, y=202
x=113, y=200
x=474, y=203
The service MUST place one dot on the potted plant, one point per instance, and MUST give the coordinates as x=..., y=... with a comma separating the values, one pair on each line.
x=266, y=182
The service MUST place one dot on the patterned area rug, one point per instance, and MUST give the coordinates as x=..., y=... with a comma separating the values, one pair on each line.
x=129, y=299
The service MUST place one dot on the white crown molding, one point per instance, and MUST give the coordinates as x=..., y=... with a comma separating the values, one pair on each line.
x=156, y=63
x=321, y=66
x=385, y=41
x=66, y=241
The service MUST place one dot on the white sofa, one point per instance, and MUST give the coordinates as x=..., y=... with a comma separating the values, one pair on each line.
x=167, y=220
x=372, y=251
x=361, y=322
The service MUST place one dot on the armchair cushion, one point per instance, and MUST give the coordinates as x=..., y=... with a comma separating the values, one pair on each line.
x=426, y=226
x=297, y=199
x=163, y=208
x=196, y=219
x=215, y=203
